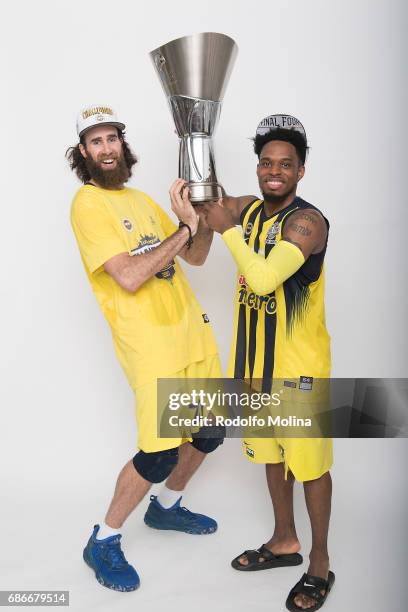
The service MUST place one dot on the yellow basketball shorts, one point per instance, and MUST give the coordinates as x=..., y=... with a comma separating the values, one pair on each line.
x=146, y=405
x=306, y=458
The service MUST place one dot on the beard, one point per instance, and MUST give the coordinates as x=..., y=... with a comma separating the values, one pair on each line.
x=276, y=199
x=108, y=178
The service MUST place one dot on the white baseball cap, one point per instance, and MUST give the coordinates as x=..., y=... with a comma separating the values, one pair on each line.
x=97, y=115
x=287, y=122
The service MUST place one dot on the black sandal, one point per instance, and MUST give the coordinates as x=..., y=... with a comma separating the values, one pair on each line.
x=311, y=586
x=270, y=560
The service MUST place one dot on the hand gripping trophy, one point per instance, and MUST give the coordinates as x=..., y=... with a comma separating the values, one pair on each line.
x=194, y=72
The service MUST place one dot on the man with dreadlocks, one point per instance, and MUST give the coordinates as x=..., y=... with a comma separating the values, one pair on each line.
x=280, y=334
x=128, y=246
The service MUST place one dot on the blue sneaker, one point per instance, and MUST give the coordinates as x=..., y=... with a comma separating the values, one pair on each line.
x=178, y=518
x=106, y=558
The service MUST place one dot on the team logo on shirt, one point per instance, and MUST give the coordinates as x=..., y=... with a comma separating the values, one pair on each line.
x=147, y=243
x=249, y=228
x=272, y=232
x=127, y=224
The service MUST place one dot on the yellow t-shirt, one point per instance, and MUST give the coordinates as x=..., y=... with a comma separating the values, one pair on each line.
x=161, y=328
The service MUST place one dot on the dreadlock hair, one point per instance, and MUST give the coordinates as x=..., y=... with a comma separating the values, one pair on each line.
x=293, y=136
x=77, y=161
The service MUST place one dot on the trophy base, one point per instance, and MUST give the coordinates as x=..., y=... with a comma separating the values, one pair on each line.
x=204, y=192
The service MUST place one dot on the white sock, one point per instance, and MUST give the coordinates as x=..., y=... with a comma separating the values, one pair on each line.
x=106, y=532
x=167, y=497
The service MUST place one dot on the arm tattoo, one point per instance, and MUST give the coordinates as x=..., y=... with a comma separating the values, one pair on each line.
x=307, y=217
x=300, y=229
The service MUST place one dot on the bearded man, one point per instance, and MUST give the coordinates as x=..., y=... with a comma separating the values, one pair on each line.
x=128, y=247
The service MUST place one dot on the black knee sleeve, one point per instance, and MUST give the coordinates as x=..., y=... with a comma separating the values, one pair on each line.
x=155, y=467
x=209, y=438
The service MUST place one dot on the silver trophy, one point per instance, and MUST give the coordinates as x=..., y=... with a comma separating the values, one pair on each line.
x=194, y=72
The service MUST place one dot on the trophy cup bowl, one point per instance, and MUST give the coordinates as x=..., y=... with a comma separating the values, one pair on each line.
x=194, y=72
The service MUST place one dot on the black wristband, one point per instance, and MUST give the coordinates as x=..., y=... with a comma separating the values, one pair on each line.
x=190, y=238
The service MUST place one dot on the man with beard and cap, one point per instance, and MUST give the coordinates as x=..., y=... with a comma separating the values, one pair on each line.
x=128, y=246
x=280, y=334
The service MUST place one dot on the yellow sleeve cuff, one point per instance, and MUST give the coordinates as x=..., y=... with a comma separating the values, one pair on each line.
x=263, y=275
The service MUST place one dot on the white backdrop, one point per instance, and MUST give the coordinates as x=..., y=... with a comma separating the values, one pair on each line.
x=67, y=413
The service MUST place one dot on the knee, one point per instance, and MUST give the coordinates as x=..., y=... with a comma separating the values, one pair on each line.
x=208, y=438
x=155, y=467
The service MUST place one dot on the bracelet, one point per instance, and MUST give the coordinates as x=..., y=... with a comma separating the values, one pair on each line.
x=190, y=239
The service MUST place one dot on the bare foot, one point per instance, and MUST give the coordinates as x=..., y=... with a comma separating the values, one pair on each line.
x=277, y=546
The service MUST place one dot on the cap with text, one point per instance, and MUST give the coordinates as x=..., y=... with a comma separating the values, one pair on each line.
x=286, y=122
x=92, y=116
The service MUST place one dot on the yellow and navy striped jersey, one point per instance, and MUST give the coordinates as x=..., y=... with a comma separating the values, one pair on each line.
x=283, y=334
